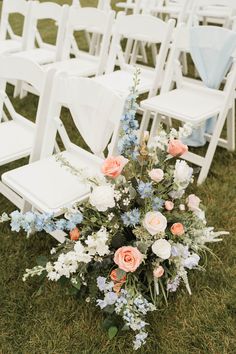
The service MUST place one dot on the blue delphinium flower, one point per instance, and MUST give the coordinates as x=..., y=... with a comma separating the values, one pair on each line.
x=157, y=203
x=129, y=125
x=76, y=218
x=35, y=222
x=131, y=218
x=145, y=189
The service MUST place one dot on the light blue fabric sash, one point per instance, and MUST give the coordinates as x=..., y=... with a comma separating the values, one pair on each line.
x=211, y=49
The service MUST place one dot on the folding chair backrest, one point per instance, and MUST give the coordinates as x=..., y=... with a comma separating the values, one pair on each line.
x=101, y=4
x=21, y=69
x=182, y=43
x=144, y=28
x=95, y=110
x=47, y=10
x=147, y=6
x=14, y=68
x=228, y=8
x=91, y=20
x=9, y=7
x=187, y=7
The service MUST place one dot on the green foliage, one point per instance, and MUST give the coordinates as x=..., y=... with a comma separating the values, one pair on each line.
x=112, y=332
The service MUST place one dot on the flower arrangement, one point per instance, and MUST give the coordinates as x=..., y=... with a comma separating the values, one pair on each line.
x=137, y=237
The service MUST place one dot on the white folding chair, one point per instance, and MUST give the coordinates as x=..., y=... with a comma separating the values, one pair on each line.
x=45, y=52
x=93, y=42
x=214, y=11
x=195, y=104
x=17, y=133
x=144, y=28
x=177, y=9
x=13, y=43
x=84, y=64
x=96, y=112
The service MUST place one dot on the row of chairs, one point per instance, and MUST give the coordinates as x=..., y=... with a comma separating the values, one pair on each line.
x=214, y=11
x=96, y=105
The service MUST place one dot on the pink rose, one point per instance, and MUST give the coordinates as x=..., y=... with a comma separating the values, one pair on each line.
x=193, y=202
x=156, y=175
x=169, y=205
x=176, y=148
x=158, y=272
x=128, y=258
x=177, y=229
x=74, y=234
x=113, y=166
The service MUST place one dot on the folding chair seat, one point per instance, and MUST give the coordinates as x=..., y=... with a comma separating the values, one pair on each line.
x=144, y=28
x=121, y=80
x=195, y=103
x=17, y=132
x=96, y=111
x=15, y=43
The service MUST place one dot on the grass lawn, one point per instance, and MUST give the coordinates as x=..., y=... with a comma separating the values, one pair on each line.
x=50, y=321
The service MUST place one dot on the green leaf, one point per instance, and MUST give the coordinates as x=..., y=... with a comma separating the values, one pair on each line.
x=41, y=261
x=112, y=332
x=107, y=323
x=77, y=285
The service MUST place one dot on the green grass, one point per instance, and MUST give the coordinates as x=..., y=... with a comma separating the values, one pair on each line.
x=50, y=321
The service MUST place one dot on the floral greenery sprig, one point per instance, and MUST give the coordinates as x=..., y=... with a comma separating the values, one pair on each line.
x=137, y=237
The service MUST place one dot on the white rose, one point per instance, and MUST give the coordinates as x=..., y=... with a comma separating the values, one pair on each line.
x=183, y=173
x=156, y=175
x=162, y=248
x=155, y=222
x=193, y=202
x=102, y=198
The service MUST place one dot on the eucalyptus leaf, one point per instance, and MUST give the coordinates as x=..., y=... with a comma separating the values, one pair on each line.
x=112, y=332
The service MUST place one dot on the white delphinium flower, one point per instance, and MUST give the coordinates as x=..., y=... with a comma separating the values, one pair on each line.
x=185, y=131
x=82, y=254
x=117, y=195
x=173, y=134
x=97, y=243
x=38, y=270
x=110, y=216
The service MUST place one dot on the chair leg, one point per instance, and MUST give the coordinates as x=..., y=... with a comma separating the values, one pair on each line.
x=231, y=129
x=185, y=63
x=17, y=89
x=155, y=123
x=26, y=207
x=211, y=150
x=144, y=122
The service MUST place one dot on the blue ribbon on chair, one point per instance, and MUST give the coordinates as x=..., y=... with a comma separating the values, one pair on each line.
x=211, y=49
